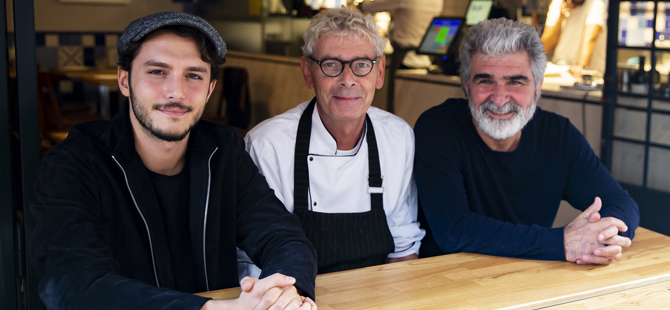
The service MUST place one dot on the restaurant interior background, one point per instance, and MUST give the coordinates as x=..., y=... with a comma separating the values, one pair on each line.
x=62, y=52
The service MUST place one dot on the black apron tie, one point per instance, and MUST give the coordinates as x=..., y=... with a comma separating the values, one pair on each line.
x=343, y=240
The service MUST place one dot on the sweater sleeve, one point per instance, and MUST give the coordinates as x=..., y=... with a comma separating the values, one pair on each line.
x=588, y=178
x=70, y=246
x=271, y=236
x=444, y=200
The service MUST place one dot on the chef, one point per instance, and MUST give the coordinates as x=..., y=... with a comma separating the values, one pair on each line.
x=344, y=167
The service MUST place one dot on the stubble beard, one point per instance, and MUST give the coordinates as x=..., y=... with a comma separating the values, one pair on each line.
x=142, y=116
x=501, y=129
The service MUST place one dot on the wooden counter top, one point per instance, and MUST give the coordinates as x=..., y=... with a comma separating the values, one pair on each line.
x=263, y=57
x=654, y=296
x=106, y=77
x=474, y=281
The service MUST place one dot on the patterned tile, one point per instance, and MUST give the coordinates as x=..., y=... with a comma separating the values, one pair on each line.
x=58, y=50
x=101, y=57
x=88, y=40
x=89, y=56
x=111, y=40
x=39, y=39
x=65, y=86
x=69, y=39
x=69, y=56
x=72, y=91
x=51, y=40
x=112, y=56
x=99, y=39
x=46, y=57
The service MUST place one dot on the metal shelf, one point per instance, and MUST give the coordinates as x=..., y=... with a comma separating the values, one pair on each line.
x=647, y=198
x=644, y=48
x=642, y=109
x=639, y=142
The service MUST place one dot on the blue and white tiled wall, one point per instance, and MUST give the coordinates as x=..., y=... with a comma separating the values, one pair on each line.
x=636, y=24
x=60, y=50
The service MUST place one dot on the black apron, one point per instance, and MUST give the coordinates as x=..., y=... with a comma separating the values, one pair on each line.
x=343, y=240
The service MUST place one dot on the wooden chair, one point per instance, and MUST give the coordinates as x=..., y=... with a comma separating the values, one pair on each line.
x=56, y=119
x=235, y=99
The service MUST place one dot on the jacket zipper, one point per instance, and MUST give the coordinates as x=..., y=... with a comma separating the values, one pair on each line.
x=153, y=260
x=204, y=224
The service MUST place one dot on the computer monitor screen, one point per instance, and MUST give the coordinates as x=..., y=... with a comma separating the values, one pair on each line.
x=440, y=36
x=478, y=10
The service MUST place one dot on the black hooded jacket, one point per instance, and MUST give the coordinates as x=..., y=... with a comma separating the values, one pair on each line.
x=100, y=241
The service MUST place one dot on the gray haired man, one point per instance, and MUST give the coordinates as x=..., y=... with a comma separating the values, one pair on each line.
x=491, y=170
x=342, y=166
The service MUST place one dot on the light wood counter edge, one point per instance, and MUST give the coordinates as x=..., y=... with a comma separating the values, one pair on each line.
x=544, y=303
x=592, y=293
x=644, y=297
x=563, y=300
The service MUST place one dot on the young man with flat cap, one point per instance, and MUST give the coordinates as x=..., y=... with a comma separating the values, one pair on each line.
x=344, y=167
x=143, y=210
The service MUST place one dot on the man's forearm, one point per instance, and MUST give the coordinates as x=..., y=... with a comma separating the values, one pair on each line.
x=550, y=35
x=588, y=44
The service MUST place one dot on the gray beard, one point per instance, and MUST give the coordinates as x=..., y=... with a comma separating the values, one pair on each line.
x=501, y=129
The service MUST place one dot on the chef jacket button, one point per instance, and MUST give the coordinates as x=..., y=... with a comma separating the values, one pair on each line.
x=315, y=203
x=311, y=158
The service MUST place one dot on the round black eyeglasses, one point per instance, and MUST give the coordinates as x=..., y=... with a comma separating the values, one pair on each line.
x=333, y=67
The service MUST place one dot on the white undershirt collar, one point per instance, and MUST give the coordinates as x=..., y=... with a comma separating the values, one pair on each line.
x=322, y=142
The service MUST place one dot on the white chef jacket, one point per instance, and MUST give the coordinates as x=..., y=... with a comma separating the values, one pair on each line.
x=338, y=180
x=592, y=12
x=411, y=19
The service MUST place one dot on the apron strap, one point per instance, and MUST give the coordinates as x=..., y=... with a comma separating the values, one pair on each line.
x=301, y=170
x=375, y=178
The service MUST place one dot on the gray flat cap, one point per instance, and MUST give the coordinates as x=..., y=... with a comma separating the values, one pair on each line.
x=140, y=27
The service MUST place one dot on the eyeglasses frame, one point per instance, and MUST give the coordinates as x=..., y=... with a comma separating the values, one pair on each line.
x=344, y=63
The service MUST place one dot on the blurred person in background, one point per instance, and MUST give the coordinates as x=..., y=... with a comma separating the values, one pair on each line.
x=410, y=20
x=575, y=34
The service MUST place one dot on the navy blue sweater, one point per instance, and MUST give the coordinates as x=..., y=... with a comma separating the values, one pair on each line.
x=504, y=203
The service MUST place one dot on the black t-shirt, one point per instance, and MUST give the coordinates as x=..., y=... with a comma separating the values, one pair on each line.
x=173, y=198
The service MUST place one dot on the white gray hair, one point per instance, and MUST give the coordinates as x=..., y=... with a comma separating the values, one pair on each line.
x=498, y=37
x=342, y=23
